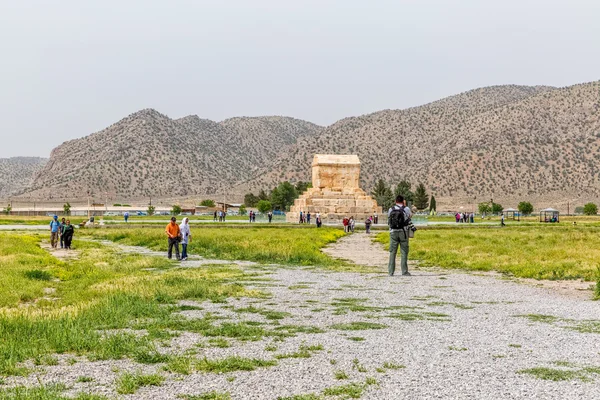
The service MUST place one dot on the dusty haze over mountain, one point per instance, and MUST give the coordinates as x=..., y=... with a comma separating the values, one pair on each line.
x=71, y=67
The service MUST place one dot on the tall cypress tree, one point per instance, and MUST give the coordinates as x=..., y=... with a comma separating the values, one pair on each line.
x=383, y=194
x=432, y=204
x=403, y=188
x=420, y=197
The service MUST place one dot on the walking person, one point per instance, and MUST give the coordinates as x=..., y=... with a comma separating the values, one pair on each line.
x=301, y=217
x=308, y=217
x=186, y=236
x=215, y=217
x=318, y=220
x=61, y=231
x=345, y=223
x=398, y=221
x=54, y=231
x=270, y=216
x=351, y=224
x=126, y=216
x=376, y=219
x=502, y=220
x=368, y=224
x=250, y=217
x=173, y=232
x=68, y=232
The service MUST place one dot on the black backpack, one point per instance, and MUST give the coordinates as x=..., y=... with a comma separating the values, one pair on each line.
x=398, y=218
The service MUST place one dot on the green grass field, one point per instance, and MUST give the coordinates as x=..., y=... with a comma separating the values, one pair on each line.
x=263, y=244
x=541, y=252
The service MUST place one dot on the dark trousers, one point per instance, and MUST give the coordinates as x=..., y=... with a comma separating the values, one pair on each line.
x=183, y=250
x=173, y=242
x=62, y=241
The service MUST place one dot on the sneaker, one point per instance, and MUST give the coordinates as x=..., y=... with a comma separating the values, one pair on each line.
x=184, y=258
x=406, y=274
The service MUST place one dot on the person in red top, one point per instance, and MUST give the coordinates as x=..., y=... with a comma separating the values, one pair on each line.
x=345, y=222
x=173, y=231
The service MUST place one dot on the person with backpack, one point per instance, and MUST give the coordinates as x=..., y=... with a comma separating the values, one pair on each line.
x=399, y=221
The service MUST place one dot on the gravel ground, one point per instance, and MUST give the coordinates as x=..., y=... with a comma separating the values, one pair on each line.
x=467, y=338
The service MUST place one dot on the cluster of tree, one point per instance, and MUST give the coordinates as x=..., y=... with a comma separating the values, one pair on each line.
x=525, y=208
x=385, y=197
x=280, y=198
x=176, y=210
x=7, y=209
x=207, y=203
x=490, y=208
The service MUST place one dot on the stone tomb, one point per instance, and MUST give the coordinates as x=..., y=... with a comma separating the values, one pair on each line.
x=335, y=193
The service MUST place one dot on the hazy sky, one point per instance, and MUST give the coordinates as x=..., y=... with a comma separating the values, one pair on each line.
x=71, y=67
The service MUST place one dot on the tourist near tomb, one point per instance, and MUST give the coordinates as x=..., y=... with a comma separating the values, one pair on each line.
x=336, y=192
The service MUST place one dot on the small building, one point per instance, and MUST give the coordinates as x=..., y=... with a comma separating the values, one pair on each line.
x=549, y=215
x=511, y=213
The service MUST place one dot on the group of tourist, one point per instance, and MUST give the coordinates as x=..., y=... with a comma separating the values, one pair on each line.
x=220, y=216
x=348, y=224
x=177, y=234
x=464, y=217
x=304, y=217
x=61, y=232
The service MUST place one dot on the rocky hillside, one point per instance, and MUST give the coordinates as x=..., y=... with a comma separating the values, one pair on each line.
x=510, y=141
x=150, y=154
x=502, y=140
x=17, y=173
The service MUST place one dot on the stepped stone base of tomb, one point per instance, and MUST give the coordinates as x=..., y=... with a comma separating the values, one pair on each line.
x=335, y=193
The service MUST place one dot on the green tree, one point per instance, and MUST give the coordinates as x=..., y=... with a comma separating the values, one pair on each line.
x=150, y=210
x=484, y=208
x=283, y=196
x=67, y=208
x=262, y=195
x=7, y=209
x=525, y=207
x=590, y=209
x=250, y=200
x=243, y=210
x=301, y=187
x=264, y=206
x=383, y=194
x=176, y=210
x=420, y=197
x=497, y=208
x=432, y=204
x=403, y=188
x=207, y=203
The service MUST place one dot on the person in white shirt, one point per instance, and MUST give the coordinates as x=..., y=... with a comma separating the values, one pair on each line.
x=186, y=235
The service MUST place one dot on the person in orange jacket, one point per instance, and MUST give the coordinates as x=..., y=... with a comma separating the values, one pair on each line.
x=173, y=233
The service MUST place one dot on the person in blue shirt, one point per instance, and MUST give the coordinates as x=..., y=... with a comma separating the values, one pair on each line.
x=54, y=231
x=126, y=216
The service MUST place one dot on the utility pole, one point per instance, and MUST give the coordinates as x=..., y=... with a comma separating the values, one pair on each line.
x=88, y=199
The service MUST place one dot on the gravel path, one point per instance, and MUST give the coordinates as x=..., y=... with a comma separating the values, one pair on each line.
x=457, y=336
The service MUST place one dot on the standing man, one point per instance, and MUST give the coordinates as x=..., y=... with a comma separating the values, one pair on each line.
x=308, y=217
x=270, y=216
x=54, y=231
x=126, y=216
x=173, y=231
x=502, y=220
x=398, y=221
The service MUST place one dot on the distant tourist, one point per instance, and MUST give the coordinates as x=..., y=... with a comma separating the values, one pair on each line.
x=215, y=217
x=351, y=224
x=253, y=216
x=186, y=235
x=399, y=220
x=502, y=220
x=472, y=217
x=318, y=220
x=126, y=216
x=308, y=217
x=61, y=231
x=224, y=215
x=368, y=224
x=54, y=231
x=250, y=216
x=345, y=223
x=375, y=219
x=301, y=217
x=270, y=216
x=173, y=233
x=68, y=232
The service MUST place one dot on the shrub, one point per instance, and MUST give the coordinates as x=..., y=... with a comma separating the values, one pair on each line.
x=176, y=210
x=207, y=203
x=151, y=210
x=264, y=206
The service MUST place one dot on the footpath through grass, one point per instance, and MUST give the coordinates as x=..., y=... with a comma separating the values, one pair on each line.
x=263, y=244
x=539, y=252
